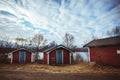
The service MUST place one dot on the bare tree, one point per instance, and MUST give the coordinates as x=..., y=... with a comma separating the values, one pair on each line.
x=68, y=40
x=21, y=41
x=92, y=37
x=38, y=40
x=6, y=41
x=114, y=32
x=79, y=58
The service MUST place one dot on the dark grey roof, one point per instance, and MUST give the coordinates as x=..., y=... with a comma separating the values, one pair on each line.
x=111, y=41
x=55, y=47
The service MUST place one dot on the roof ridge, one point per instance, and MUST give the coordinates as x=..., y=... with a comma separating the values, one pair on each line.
x=56, y=47
x=107, y=38
x=104, y=42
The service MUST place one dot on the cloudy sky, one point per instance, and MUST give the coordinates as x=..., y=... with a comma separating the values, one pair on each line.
x=54, y=18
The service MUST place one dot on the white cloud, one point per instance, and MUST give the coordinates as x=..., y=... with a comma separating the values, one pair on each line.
x=81, y=18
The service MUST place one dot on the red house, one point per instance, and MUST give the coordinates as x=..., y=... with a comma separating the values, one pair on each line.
x=105, y=51
x=57, y=55
x=20, y=56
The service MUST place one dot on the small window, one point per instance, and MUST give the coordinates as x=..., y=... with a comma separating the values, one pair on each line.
x=118, y=51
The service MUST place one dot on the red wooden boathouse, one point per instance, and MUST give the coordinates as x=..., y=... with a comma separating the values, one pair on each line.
x=105, y=51
x=20, y=56
x=57, y=55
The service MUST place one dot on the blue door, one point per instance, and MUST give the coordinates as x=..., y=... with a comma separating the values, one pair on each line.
x=59, y=57
x=22, y=56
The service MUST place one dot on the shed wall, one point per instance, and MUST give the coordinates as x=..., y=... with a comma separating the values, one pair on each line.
x=53, y=56
x=105, y=55
x=16, y=56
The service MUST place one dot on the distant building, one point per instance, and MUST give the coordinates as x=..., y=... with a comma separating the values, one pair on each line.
x=105, y=51
x=57, y=55
x=80, y=54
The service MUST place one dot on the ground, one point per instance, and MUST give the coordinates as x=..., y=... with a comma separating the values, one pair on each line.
x=81, y=71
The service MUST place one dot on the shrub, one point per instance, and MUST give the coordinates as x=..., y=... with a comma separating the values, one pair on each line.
x=4, y=58
x=39, y=61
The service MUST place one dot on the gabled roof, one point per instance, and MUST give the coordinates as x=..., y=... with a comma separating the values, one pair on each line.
x=55, y=47
x=19, y=49
x=111, y=41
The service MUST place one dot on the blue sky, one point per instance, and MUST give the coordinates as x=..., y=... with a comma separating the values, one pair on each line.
x=54, y=18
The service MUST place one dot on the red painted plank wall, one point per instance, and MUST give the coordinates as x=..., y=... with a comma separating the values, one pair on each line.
x=45, y=58
x=66, y=57
x=16, y=57
x=107, y=55
x=52, y=56
x=28, y=56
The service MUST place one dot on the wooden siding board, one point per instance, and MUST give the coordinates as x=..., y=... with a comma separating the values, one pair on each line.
x=52, y=57
x=16, y=57
x=66, y=56
x=45, y=58
x=107, y=55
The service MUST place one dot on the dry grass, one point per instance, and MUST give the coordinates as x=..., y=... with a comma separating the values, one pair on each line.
x=74, y=68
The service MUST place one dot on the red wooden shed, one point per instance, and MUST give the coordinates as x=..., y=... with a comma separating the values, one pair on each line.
x=105, y=51
x=57, y=55
x=20, y=56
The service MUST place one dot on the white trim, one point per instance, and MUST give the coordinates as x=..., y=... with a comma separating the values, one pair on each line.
x=70, y=57
x=56, y=47
x=31, y=57
x=19, y=50
x=56, y=57
x=24, y=56
x=118, y=51
x=48, y=57
x=19, y=55
x=88, y=54
x=62, y=57
x=11, y=57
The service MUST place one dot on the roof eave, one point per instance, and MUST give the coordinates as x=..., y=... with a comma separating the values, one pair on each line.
x=18, y=50
x=58, y=47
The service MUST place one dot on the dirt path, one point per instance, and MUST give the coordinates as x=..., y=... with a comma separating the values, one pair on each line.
x=80, y=71
x=20, y=75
